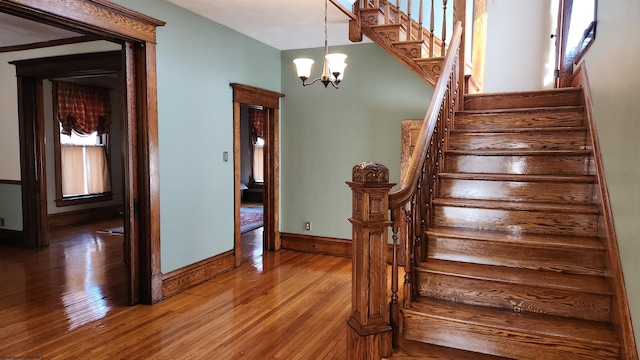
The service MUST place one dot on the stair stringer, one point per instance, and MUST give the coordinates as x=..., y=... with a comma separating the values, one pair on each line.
x=621, y=316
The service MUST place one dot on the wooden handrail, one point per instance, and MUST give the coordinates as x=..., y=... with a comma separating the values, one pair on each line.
x=402, y=194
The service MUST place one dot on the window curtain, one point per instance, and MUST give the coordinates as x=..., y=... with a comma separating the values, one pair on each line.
x=258, y=163
x=84, y=170
x=256, y=116
x=72, y=160
x=83, y=109
x=96, y=170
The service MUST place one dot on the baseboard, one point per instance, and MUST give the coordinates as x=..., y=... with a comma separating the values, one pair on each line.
x=181, y=279
x=10, y=237
x=84, y=216
x=322, y=245
x=316, y=244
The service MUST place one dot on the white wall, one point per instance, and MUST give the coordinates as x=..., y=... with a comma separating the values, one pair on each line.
x=612, y=65
x=518, y=45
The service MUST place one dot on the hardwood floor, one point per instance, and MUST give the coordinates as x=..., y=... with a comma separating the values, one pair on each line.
x=68, y=301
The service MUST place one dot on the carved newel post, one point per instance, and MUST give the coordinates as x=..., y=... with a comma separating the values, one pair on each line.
x=368, y=329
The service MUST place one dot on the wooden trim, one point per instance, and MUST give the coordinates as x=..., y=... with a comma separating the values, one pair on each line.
x=84, y=216
x=179, y=280
x=621, y=313
x=10, y=237
x=317, y=244
x=344, y=10
x=478, y=47
x=270, y=101
x=98, y=17
x=10, y=182
x=43, y=44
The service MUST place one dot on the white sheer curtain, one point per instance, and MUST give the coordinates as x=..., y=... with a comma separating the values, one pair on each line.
x=258, y=161
x=84, y=170
x=96, y=170
x=72, y=160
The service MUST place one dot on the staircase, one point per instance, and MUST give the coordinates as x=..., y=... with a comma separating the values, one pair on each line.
x=402, y=36
x=513, y=265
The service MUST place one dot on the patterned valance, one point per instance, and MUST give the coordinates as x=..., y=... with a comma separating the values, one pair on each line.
x=256, y=117
x=83, y=109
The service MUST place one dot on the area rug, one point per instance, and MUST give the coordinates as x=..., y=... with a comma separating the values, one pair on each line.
x=250, y=218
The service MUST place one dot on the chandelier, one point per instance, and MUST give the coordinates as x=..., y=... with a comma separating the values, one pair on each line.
x=334, y=65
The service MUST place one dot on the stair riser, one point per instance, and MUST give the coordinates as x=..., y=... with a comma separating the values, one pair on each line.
x=515, y=297
x=519, y=164
x=576, y=193
x=522, y=100
x=372, y=16
x=414, y=51
x=392, y=32
x=516, y=221
x=520, y=119
x=587, y=262
x=563, y=140
x=501, y=342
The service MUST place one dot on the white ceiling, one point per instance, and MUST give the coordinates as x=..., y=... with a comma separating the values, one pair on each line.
x=282, y=24
x=18, y=31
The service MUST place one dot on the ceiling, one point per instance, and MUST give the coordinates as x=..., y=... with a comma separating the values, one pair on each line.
x=282, y=24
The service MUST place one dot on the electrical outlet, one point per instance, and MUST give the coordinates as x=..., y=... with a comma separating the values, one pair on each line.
x=1, y=222
x=307, y=226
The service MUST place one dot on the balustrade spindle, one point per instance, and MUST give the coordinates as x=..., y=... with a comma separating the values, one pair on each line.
x=431, y=29
x=410, y=21
x=393, y=306
x=421, y=33
x=399, y=12
x=444, y=27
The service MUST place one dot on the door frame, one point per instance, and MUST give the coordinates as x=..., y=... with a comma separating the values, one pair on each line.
x=270, y=101
x=137, y=34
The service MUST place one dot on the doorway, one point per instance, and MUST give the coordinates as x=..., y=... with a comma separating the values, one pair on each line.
x=89, y=21
x=269, y=104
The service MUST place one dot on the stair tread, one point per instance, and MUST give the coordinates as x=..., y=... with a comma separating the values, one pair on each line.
x=414, y=350
x=520, y=177
x=532, y=239
x=593, y=332
x=547, y=279
x=524, y=111
x=518, y=205
x=514, y=130
x=510, y=152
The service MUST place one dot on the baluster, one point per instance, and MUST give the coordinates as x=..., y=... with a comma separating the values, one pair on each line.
x=444, y=27
x=408, y=266
x=376, y=4
x=395, y=312
x=431, y=29
x=409, y=20
x=421, y=32
x=399, y=12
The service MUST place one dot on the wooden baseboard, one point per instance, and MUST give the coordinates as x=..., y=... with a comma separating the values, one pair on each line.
x=322, y=245
x=316, y=244
x=10, y=237
x=181, y=279
x=84, y=216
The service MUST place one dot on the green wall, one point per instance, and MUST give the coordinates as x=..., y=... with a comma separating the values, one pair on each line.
x=612, y=64
x=325, y=132
x=196, y=61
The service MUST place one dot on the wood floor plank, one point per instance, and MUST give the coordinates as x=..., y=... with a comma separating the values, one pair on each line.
x=69, y=301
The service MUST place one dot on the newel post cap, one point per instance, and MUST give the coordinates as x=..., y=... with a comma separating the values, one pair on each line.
x=370, y=173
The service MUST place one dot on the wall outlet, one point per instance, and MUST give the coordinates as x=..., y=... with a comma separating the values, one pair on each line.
x=307, y=225
x=1, y=222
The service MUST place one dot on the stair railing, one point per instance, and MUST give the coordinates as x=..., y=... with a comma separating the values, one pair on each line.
x=373, y=327
x=411, y=202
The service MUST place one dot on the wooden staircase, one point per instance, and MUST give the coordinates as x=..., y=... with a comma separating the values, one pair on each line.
x=404, y=38
x=512, y=264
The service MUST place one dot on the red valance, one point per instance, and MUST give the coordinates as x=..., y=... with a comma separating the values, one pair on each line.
x=83, y=109
x=256, y=116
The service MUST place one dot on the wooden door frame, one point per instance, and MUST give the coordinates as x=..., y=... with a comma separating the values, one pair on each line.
x=137, y=33
x=270, y=101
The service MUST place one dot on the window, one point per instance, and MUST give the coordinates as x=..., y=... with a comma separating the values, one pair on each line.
x=256, y=117
x=82, y=123
x=258, y=160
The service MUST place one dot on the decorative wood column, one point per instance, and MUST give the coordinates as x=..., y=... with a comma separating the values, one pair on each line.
x=368, y=330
